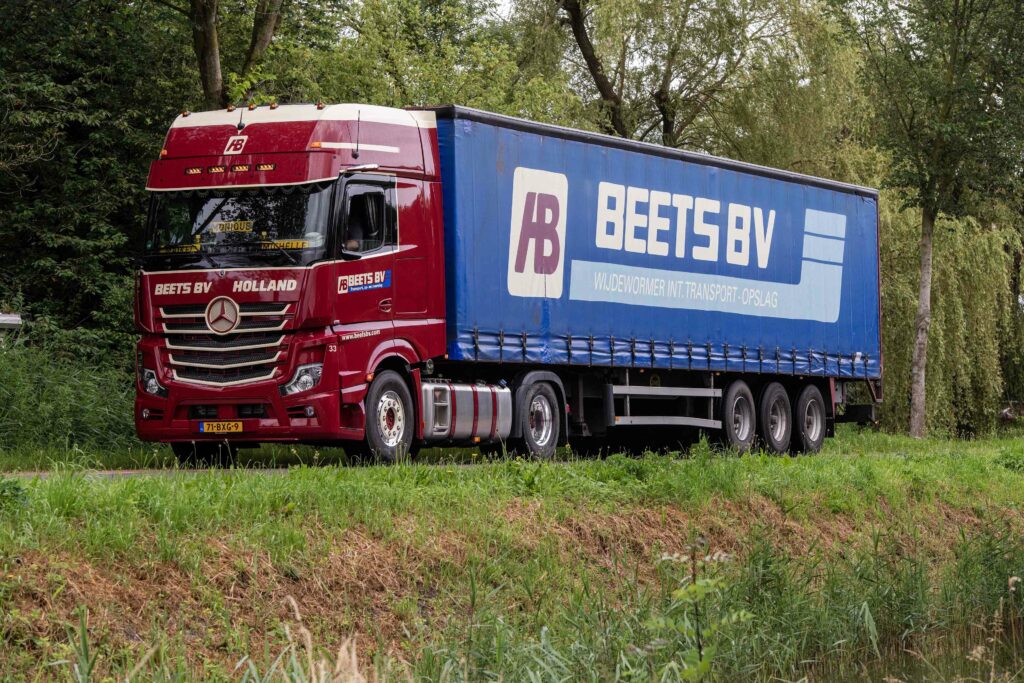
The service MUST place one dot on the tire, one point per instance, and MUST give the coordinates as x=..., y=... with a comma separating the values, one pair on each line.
x=204, y=453
x=739, y=418
x=540, y=423
x=390, y=418
x=809, y=421
x=775, y=418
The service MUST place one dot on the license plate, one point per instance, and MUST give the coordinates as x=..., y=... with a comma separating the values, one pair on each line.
x=220, y=427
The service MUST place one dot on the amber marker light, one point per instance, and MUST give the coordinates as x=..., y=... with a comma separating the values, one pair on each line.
x=216, y=169
x=316, y=144
x=252, y=105
x=194, y=170
x=265, y=167
x=273, y=105
x=240, y=168
x=163, y=153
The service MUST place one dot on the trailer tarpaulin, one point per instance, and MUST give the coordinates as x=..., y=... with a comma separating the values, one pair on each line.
x=568, y=247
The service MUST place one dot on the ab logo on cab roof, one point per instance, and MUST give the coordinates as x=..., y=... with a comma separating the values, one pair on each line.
x=236, y=144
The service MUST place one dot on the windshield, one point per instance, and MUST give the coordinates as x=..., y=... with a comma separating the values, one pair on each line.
x=267, y=226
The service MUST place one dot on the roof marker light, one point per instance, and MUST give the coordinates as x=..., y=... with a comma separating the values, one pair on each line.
x=316, y=144
x=163, y=153
x=185, y=112
x=273, y=105
x=231, y=107
x=320, y=105
x=252, y=105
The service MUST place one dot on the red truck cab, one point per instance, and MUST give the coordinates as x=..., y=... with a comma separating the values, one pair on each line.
x=292, y=252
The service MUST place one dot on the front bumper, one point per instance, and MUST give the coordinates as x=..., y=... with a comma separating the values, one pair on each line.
x=265, y=414
x=176, y=418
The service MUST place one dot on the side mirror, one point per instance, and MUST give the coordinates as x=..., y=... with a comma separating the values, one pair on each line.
x=350, y=255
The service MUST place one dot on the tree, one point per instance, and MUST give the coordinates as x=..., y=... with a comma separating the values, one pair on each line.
x=202, y=17
x=660, y=67
x=947, y=80
x=81, y=122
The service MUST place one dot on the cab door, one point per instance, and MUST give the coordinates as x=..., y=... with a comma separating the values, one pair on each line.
x=367, y=240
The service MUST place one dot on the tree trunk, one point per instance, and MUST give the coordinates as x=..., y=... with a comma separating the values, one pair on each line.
x=616, y=124
x=918, y=412
x=205, y=42
x=265, y=24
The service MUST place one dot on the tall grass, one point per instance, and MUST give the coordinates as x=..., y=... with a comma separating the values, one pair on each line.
x=48, y=401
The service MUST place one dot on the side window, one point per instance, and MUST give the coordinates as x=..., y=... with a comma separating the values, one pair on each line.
x=369, y=219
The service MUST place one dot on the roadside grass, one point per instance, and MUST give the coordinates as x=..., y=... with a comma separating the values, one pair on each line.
x=517, y=570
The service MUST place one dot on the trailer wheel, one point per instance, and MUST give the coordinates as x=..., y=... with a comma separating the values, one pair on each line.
x=204, y=453
x=775, y=418
x=810, y=420
x=540, y=422
x=739, y=419
x=390, y=417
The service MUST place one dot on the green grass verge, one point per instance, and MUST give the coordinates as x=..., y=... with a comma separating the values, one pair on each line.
x=519, y=570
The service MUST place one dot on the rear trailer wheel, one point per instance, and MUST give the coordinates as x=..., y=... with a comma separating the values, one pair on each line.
x=390, y=418
x=775, y=418
x=539, y=423
x=739, y=423
x=204, y=453
x=810, y=420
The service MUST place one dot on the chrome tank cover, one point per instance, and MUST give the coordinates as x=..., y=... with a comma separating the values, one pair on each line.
x=465, y=412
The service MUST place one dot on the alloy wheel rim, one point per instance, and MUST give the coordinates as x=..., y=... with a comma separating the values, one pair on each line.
x=541, y=422
x=812, y=420
x=777, y=420
x=390, y=418
x=742, y=419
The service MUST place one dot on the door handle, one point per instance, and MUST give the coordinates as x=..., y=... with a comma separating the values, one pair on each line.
x=384, y=305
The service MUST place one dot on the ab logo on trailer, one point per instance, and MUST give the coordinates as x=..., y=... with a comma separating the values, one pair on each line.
x=536, y=250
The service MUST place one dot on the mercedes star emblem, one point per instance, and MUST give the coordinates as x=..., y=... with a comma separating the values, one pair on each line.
x=222, y=315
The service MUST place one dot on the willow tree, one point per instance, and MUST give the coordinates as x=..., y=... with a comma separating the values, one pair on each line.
x=947, y=80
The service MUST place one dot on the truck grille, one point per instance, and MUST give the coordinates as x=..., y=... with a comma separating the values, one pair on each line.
x=251, y=353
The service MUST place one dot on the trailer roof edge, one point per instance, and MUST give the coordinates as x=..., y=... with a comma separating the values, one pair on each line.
x=512, y=122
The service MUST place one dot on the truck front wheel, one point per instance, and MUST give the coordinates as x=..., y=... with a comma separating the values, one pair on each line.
x=390, y=421
x=738, y=417
x=540, y=422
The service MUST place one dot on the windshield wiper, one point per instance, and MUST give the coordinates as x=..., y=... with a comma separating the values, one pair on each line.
x=210, y=258
x=285, y=252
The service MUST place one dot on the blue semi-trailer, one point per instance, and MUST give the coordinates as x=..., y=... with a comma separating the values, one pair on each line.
x=624, y=286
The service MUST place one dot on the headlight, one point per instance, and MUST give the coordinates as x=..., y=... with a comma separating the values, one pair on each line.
x=306, y=377
x=151, y=384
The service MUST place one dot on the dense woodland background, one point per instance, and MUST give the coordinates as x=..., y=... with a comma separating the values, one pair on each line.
x=923, y=98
